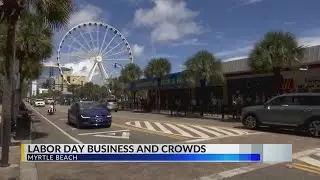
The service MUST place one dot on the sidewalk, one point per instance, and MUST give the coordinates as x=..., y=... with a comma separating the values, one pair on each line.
x=11, y=172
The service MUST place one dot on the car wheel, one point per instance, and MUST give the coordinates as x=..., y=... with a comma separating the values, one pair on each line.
x=108, y=126
x=251, y=122
x=78, y=124
x=116, y=110
x=314, y=128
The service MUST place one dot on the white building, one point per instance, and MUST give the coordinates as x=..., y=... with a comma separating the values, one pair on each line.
x=32, y=89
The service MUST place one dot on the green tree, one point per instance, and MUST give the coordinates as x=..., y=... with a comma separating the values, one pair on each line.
x=157, y=68
x=55, y=14
x=277, y=50
x=129, y=74
x=115, y=86
x=203, y=67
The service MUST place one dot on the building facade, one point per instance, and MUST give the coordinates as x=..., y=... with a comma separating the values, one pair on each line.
x=240, y=80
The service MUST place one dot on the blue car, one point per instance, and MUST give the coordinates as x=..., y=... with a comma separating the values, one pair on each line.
x=89, y=113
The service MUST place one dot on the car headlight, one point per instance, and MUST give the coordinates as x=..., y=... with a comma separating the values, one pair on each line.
x=84, y=117
x=109, y=116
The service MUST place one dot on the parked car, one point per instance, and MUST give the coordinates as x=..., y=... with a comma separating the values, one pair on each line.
x=294, y=110
x=39, y=103
x=89, y=113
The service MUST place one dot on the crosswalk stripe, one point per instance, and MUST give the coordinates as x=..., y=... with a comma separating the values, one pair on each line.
x=208, y=130
x=310, y=161
x=202, y=135
x=221, y=130
x=149, y=126
x=162, y=128
x=137, y=124
x=182, y=132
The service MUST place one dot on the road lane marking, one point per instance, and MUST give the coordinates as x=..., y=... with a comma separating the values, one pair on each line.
x=173, y=136
x=54, y=125
x=162, y=128
x=137, y=124
x=124, y=135
x=101, y=132
x=202, y=135
x=221, y=130
x=253, y=167
x=310, y=161
x=179, y=130
x=218, y=137
x=189, y=131
x=303, y=168
x=208, y=130
x=185, y=123
x=149, y=126
x=306, y=166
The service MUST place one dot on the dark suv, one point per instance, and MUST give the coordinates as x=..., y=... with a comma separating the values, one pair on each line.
x=296, y=110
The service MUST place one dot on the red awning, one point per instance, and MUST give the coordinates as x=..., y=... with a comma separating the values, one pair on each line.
x=287, y=84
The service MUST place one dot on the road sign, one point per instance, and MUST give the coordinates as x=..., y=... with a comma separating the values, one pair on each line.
x=121, y=134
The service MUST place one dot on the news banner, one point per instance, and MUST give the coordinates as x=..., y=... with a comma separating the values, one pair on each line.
x=156, y=152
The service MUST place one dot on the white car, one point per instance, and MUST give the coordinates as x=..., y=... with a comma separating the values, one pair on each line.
x=39, y=103
x=49, y=101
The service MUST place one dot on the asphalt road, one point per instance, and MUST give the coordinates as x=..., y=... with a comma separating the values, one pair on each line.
x=143, y=128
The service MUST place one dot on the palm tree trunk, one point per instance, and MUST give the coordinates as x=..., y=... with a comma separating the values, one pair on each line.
x=8, y=92
x=159, y=95
x=202, y=85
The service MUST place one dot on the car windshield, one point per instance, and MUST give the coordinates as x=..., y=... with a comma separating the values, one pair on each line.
x=111, y=100
x=92, y=105
x=39, y=99
x=49, y=99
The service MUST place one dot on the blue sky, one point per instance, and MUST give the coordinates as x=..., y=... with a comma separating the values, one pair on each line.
x=177, y=29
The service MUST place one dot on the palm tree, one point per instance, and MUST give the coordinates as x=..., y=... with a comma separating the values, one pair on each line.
x=129, y=74
x=276, y=51
x=203, y=67
x=34, y=43
x=56, y=15
x=157, y=68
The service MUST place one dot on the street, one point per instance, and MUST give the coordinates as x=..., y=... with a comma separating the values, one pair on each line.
x=143, y=128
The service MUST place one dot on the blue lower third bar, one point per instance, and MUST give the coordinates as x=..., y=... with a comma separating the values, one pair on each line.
x=146, y=157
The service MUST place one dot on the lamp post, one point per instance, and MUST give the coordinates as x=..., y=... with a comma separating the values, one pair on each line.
x=115, y=66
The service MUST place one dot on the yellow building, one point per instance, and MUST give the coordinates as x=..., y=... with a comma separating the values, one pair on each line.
x=74, y=79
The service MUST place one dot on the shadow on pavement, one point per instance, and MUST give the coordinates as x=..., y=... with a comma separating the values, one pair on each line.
x=38, y=135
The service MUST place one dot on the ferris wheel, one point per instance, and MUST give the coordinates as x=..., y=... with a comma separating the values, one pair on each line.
x=92, y=48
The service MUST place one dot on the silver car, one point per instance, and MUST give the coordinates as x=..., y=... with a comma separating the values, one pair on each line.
x=295, y=110
x=112, y=105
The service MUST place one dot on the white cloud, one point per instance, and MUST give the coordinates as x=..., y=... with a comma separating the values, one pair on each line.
x=193, y=41
x=235, y=52
x=125, y=32
x=137, y=50
x=235, y=58
x=169, y=20
x=87, y=13
x=251, y=1
x=309, y=41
